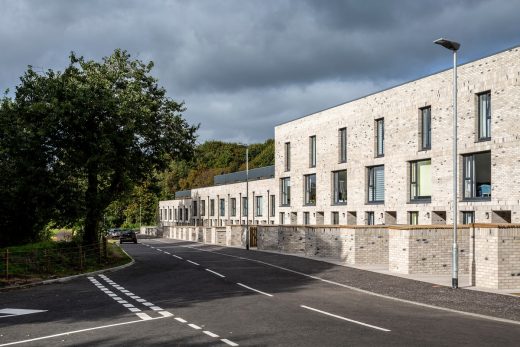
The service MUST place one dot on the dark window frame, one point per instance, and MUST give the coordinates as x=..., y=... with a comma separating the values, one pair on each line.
x=372, y=185
x=469, y=178
x=414, y=182
x=487, y=135
x=342, y=144
x=285, y=198
x=380, y=137
x=308, y=190
x=312, y=151
x=425, y=113
x=233, y=207
x=335, y=186
x=287, y=156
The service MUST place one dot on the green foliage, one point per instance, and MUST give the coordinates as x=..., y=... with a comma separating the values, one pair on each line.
x=73, y=142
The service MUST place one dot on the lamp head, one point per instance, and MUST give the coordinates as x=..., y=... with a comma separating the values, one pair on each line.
x=451, y=45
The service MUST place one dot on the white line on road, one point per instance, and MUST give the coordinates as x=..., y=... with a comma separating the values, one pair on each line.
x=346, y=319
x=194, y=263
x=229, y=342
x=216, y=273
x=78, y=331
x=179, y=319
x=176, y=256
x=144, y=316
x=196, y=327
x=166, y=314
x=209, y=333
x=253, y=289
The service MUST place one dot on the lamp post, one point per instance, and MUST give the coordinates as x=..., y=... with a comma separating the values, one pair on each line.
x=247, y=197
x=453, y=46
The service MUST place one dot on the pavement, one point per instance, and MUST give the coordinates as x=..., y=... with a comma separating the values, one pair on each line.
x=182, y=293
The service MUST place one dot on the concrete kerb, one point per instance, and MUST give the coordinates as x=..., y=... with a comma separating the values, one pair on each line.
x=70, y=278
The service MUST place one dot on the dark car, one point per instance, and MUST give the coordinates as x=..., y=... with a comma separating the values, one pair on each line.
x=128, y=236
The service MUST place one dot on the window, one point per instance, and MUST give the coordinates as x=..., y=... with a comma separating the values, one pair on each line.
x=169, y=213
x=376, y=184
x=285, y=190
x=258, y=205
x=380, y=137
x=186, y=216
x=244, y=206
x=468, y=217
x=312, y=151
x=426, y=128
x=306, y=218
x=340, y=187
x=222, y=207
x=477, y=176
x=484, y=116
x=282, y=218
x=233, y=207
x=180, y=214
x=310, y=189
x=212, y=207
x=203, y=207
x=370, y=217
x=287, y=158
x=413, y=217
x=420, y=180
x=273, y=206
x=342, y=135
x=335, y=218
x=195, y=208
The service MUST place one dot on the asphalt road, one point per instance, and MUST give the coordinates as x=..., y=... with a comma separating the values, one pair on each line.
x=181, y=293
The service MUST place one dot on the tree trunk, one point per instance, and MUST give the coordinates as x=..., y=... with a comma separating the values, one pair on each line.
x=94, y=213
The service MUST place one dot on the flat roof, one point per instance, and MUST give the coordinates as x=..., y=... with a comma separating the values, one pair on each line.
x=241, y=176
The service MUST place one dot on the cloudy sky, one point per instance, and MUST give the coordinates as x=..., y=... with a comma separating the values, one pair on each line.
x=243, y=66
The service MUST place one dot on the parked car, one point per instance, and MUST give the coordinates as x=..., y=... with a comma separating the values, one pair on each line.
x=128, y=236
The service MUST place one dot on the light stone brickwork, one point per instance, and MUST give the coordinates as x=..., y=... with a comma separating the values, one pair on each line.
x=399, y=106
x=427, y=250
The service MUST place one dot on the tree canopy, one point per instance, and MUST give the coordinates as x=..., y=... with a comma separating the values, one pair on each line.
x=72, y=142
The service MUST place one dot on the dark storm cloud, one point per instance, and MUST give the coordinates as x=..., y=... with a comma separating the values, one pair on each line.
x=244, y=66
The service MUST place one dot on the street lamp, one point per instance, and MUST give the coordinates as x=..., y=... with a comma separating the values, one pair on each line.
x=247, y=197
x=453, y=46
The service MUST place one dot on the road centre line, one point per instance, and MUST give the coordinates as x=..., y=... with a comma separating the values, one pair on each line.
x=209, y=333
x=194, y=263
x=216, y=273
x=228, y=342
x=176, y=256
x=78, y=331
x=179, y=319
x=345, y=319
x=253, y=289
x=194, y=326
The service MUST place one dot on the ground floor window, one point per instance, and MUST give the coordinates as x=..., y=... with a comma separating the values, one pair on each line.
x=413, y=217
x=306, y=218
x=335, y=218
x=370, y=218
x=477, y=176
x=468, y=217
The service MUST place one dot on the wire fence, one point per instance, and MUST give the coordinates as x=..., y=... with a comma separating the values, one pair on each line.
x=58, y=260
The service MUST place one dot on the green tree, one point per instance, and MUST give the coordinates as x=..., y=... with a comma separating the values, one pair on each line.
x=102, y=127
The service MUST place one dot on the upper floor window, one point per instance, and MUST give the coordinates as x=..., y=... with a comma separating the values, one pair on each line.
x=376, y=184
x=339, y=179
x=244, y=206
x=426, y=128
x=203, y=207
x=287, y=156
x=312, y=151
x=477, y=176
x=420, y=180
x=484, y=116
x=222, y=208
x=310, y=189
x=380, y=137
x=180, y=213
x=195, y=210
x=233, y=207
x=285, y=189
x=273, y=206
x=258, y=205
x=212, y=207
x=342, y=137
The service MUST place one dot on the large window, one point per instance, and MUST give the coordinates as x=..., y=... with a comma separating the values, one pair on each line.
x=312, y=151
x=376, y=184
x=273, y=206
x=285, y=189
x=212, y=207
x=484, y=116
x=258, y=205
x=244, y=206
x=477, y=176
x=380, y=137
x=420, y=180
x=426, y=128
x=310, y=189
x=195, y=210
x=203, y=207
x=287, y=156
x=339, y=179
x=342, y=137
x=233, y=207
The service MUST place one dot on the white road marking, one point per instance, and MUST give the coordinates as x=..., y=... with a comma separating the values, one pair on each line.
x=231, y=343
x=166, y=314
x=144, y=316
x=216, y=273
x=345, y=319
x=10, y=312
x=156, y=308
x=140, y=300
x=146, y=303
x=194, y=263
x=196, y=327
x=128, y=305
x=167, y=252
x=176, y=256
x=134, y=309
x=180, y=319
x=253, y=289
x=209, y=333
x=77, y=331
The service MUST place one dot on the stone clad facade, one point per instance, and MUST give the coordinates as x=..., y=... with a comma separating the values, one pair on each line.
x=488, y=167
